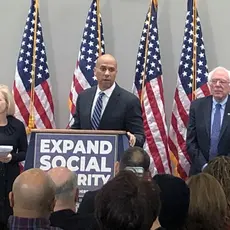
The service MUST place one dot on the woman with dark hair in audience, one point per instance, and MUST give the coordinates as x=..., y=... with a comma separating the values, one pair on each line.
x=208, y=206
x=174, y=194
x=12, y=133
x=219, y=167
x=128, y=203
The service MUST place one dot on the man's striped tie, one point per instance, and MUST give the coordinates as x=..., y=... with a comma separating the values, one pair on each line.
x=95, y=120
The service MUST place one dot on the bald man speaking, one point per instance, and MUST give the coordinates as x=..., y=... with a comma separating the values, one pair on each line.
x=109, y=107
x=208, y=133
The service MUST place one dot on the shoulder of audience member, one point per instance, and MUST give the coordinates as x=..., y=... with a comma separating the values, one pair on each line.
x=90, y=193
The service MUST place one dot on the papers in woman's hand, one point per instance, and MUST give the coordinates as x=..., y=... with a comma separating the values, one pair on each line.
x=5, y=150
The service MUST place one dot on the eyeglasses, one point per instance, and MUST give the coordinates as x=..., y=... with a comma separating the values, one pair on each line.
x=215, y=81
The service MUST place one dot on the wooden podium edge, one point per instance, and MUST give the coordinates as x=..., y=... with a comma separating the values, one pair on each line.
x=78, y=131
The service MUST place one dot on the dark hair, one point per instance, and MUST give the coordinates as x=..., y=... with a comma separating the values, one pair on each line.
x=219, y=167
x=135, y=157
x=127, y=203
x=208, y=207
x=175, y=198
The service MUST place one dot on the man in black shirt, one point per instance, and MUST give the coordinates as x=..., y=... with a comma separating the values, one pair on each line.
x=64, y=215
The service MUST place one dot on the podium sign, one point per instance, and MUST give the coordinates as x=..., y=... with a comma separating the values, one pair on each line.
x=91, y=156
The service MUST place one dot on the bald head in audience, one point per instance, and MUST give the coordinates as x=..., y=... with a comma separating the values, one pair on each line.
x=133, y=158
x=66, y=188
x=33, y=194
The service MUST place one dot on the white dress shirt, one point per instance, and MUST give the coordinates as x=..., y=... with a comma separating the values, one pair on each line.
x=108, y=92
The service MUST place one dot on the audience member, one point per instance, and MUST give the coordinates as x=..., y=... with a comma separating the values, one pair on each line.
x=174, y=201
x=64, y=215
x=219, y=167
x=135, y=159
x=208, y=205
x=32, y=200
x=128, y=203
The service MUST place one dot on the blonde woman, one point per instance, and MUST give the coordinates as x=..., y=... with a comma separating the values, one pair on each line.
x=12, y=133
x=208, y=204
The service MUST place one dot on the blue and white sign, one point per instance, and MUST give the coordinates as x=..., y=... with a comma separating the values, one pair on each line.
x=91, y=157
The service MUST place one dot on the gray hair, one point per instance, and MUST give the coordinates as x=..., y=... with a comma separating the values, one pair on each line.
x=210, y=75
x=65, y=191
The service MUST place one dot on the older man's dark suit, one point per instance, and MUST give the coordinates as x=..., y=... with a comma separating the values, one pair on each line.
x=199, y=133
x=123, y=112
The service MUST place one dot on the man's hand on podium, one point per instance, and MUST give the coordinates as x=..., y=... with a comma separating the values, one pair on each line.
x=132, y=139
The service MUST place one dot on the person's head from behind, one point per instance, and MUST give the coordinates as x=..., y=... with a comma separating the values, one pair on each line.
x=7, y=105
x=128, y=203
x=105, y=71
x=208, y=207
x=135, y=159
x=174, y=194
x=66, y=188
x=219, y=82
x=219, y=167
x=33, y=194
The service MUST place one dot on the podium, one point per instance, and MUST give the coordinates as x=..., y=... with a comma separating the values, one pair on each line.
x=91, y=154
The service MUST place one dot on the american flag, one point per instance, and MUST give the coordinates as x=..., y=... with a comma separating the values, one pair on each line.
x=92, y=45
x=32, y=89
x=192, y=71
x=150, y=92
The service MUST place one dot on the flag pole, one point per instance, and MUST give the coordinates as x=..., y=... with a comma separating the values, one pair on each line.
x=155, y=2
x=31, y=116
x=194, y=85
x=146, y=47
x=99, y=27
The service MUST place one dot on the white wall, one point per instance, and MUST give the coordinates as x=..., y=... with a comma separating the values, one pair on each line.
x=63, y=22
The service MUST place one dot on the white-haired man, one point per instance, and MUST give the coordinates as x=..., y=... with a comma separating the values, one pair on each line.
x=208, y=133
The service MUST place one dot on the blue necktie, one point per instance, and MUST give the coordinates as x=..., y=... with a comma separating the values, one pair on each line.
x=96, y=117
x=216, y=125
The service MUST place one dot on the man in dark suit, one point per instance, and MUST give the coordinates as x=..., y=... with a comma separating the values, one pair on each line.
x=208, y=133
x=108, y=106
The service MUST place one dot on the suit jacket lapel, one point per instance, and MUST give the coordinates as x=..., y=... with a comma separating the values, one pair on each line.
x=225, y=118
x=111, y=105
x=207, y=115
x=89, y=104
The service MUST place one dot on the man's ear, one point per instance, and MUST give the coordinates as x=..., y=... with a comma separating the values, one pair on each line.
x=11, y=199
x=116, y=167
